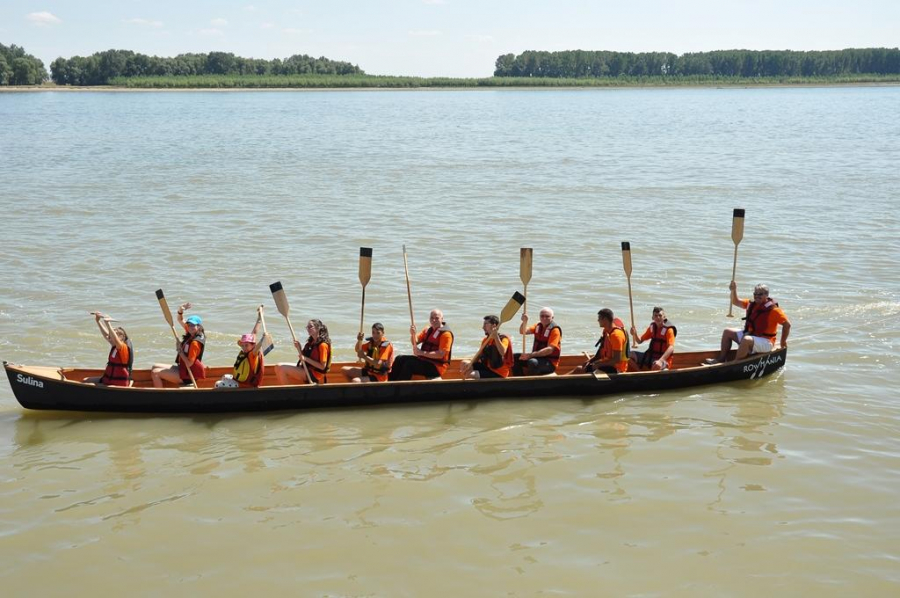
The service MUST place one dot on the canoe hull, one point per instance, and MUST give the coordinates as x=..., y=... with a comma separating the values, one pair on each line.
x=46, y=389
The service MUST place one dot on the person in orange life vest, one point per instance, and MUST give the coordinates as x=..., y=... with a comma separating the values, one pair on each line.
x=191, y=345
x=612, y=355
x=661, y=335
x=377, y=355
x=546, y=349
x=316, y=353
x=496, y=358
x=760, y=325
x=249, y=366
x=432, y=358
x=121, y=354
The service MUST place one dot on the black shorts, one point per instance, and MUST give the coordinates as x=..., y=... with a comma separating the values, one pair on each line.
x=607, y=369
x=485, y=372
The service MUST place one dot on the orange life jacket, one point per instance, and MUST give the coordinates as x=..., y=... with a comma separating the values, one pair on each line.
x=542, y=339
x=383, y=352
x=490, y=355
x=604, y=352
x=118, y=370
x=658, y=343
x=252, y=375
x=759, y=321
x=434, y=344
x=318, y=373
x=198, y=369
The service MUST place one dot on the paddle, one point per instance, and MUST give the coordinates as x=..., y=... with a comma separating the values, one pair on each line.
x=168, y=315
x=365, y=274
x=267, y=344
x=525, y=255
x=737, y=234
x=108, y=319
x=626, y=263
x=284, y=309
x=412, y=321
x=506, y=314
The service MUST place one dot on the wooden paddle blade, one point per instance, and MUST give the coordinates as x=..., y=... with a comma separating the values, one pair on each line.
x=737, y=226
x=512, y=306
x=525, y=259
x=165, y=308
x=280, y=298
x=626, y=257
x=365, y=265
x=267, y=344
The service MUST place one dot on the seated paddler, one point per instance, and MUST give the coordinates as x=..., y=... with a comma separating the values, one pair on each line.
x=545, y=350
x=189, y=353
x=432, y=350
x=314, y=357
x=612, y=348
x=120, y=360
x=376, y=354
x=494, y=358
x=249, y=366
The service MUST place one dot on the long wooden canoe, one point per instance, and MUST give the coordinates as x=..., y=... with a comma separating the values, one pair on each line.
x=41, y=387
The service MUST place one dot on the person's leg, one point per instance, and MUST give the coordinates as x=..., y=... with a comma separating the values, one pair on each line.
x=729, y=335
x=287, y=373
x=167, y=374
x=744, y=347
x=400, y=371
x=540, y=366
x=420, y=367
x=351, y=372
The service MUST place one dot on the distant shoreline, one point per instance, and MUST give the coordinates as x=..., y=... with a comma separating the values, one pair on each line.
x=692, y=85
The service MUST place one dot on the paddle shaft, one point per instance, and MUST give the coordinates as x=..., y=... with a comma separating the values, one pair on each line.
x=168, y=315
x=626, y=264
x=737, y=234
x=262, y=320
x=365, y=274
x=284, y=308
x=412, y=321
x=525, y=259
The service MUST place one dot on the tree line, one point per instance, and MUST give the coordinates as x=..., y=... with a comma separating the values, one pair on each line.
x=101, y=67
x=721, y=63
x=19, y=68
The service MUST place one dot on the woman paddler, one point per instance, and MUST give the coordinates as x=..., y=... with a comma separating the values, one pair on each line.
x=190, y=347
x=121, y=354
x=316, y=353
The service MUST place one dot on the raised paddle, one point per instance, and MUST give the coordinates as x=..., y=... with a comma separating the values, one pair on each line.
x=626, y=263
x=168, y=315
x=284, y=309
x=525, y=255
x=365, y=274
x=267, y=344
x=506, y=314
x=737, y=233
x=107, y=318
x=412, y=321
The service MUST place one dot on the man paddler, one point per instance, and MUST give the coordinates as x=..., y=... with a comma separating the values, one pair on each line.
x=495, y=356
x=760, y=325
x=432, y=350
x=546, y=349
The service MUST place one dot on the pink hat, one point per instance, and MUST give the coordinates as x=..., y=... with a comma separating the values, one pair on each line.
x=247, y=338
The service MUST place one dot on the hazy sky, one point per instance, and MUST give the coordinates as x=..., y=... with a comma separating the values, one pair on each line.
x=458, y=38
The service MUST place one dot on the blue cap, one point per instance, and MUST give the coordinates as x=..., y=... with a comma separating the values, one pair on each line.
x=194, y=320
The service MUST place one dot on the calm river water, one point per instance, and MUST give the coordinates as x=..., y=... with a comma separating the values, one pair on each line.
x=783, y=487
